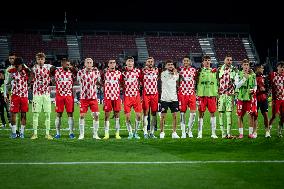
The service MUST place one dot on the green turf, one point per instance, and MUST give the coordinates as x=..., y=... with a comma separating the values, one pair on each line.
x=213, y=175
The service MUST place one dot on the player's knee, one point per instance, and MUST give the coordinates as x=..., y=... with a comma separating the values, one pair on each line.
x=96, y=115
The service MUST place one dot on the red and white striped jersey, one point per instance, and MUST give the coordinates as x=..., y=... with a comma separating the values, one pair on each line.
x=19, y=83
x=187, y=80
x=88, y=83
x=112, y=81
x=64, y=82
x=131, y=80
x=41, y=79
x=226, y=84
x=149, y=79
x=277, y=84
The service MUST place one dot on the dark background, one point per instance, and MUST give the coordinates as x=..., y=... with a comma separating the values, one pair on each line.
x=263, y=20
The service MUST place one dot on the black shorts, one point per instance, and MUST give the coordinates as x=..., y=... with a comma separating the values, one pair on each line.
x=262, y=105
x=174, y=106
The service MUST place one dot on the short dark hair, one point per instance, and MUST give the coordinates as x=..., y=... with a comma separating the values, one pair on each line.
x=64, y=59
x=12, y=54
x=129, y=57
x=169, y=61
x=281, y=64
x=18, y=61
x=186, y=57
x=244, y=61
x=258, y=66
x=228, y=55
x=206, y=57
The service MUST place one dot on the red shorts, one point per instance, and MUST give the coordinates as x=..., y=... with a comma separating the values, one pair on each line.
x=85, y=103
x=278, y=107
x=60, y=101
x=209, y=102
x=151, y=101
x=134, y=101
x=19, y=104
x=245, y=106
x=110, y=105
x=187, y=101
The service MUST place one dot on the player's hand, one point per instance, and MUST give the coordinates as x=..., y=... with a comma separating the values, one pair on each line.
x=175, y=71
x=251, y=91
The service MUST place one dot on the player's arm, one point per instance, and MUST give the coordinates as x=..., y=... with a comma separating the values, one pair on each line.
x=6, y=83
x=239, y=81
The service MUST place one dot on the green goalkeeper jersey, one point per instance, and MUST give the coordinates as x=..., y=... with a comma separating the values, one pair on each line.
x=207, y=82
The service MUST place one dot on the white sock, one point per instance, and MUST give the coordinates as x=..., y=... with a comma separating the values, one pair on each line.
x=182, y=122
x=13, y=128
x=213, y=125
x=145, y=125
x=22, y=129
x=71, y=124
x=153, y=123
x=106, y=127
x=137, y=125
x=57, y=125
x=117, y=125
x=200, y=125
x=129, y=128
x=96, y=127
x=82, y=126
x=250, y=130
x=191, y=120
x=241, y=131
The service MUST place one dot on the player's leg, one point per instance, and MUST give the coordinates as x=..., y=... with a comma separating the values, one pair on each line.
x=58, y=124
x=96, y=125
x=183, y=107
x=221, y=109
x=13, y=123
x=154, y=109
x=36, y=109
x=23, y=124
x=211, y=104
x=107, y=115
x=240, y=113
x=127, y=110
x=253, y=124
x=264, y=111
x=201, y=109
x=174, y=106
x=164, y=108
x=47, y=110
x=146, y=107
x=83, y=111
x=274, y=112
x=95, y=110
x=82, y=125
x=117, y=124
x=69, y=104
x=107, y=110
x=192, y=114
x=59, y=108
x=229, y=109
x=137, y=106
x=116, y=109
